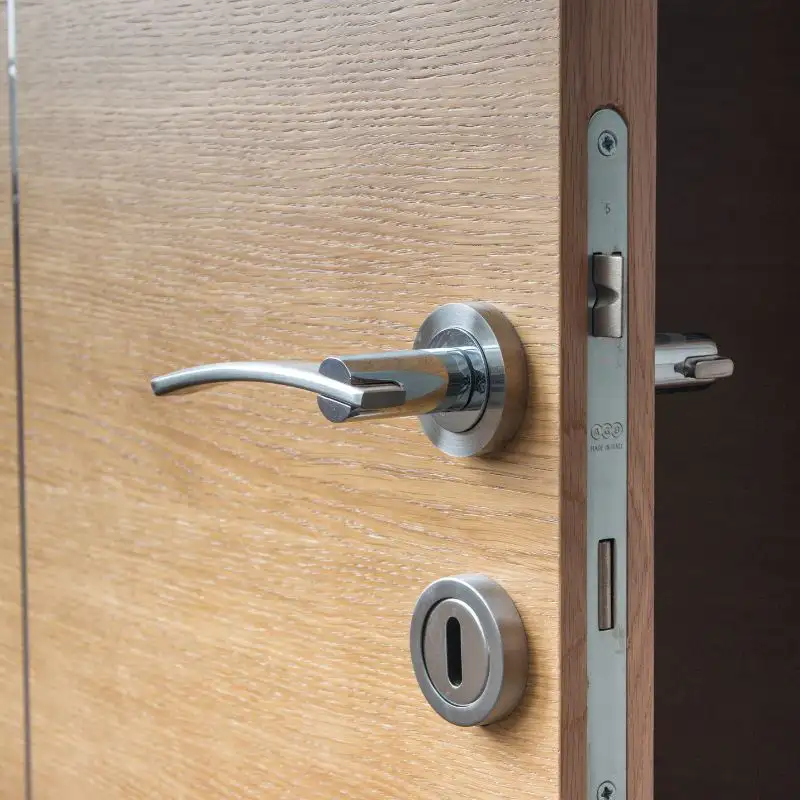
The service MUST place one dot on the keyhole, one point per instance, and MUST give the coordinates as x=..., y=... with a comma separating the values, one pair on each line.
x=453, y=636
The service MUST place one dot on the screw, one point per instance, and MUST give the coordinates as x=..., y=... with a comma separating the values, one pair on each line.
x=606, y=791
x=607, y=143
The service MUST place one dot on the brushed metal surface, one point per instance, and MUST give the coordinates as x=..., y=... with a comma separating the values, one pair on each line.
x=504, y=658
x=607, y=466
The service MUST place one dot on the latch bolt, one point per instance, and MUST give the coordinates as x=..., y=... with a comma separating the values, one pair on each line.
x=607, y=305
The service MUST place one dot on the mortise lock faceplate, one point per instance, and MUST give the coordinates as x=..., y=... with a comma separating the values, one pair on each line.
x=607, y=452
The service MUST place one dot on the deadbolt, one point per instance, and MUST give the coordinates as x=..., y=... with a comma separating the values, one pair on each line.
x=469, y=650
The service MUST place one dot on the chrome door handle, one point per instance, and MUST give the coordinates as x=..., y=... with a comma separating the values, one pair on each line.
x=298, y=374
x=466, y=377
x=688, y=361
x=405, y=383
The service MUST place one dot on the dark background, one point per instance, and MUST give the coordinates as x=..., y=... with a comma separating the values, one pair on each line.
x=727, y=711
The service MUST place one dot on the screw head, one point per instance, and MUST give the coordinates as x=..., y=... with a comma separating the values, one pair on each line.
x=607, y=143
x=606, y=791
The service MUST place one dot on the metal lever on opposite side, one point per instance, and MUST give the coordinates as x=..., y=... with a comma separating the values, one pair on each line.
x=466, y=378
x=688, y=361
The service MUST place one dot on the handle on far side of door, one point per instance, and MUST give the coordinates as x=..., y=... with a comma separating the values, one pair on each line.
x=688, y=361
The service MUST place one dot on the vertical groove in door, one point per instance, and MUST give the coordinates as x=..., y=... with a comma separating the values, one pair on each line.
x=23, y=539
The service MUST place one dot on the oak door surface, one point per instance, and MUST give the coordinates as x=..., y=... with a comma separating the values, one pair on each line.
x=12, y=752
x=221, y=584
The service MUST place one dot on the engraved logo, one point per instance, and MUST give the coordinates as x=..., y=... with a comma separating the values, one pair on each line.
x=608, y=430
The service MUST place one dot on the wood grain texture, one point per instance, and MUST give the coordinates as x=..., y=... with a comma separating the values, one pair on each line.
x=221, y=584
x=12, y=750
x=609, y=59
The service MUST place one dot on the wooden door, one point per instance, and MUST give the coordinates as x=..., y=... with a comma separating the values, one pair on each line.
x=221, y=584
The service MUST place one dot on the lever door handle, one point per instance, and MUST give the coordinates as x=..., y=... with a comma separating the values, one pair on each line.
x=405, y=383
x=298, y=374
x=466, y=376
x=688, y=361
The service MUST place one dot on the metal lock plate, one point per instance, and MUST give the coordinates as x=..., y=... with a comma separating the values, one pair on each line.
x=469, y=650
x=606, y=452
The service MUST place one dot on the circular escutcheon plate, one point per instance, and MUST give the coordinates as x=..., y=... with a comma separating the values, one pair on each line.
x=492, y=663
x=492, y=426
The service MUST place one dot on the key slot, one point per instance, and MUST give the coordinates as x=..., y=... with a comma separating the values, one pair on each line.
x=455, y=667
